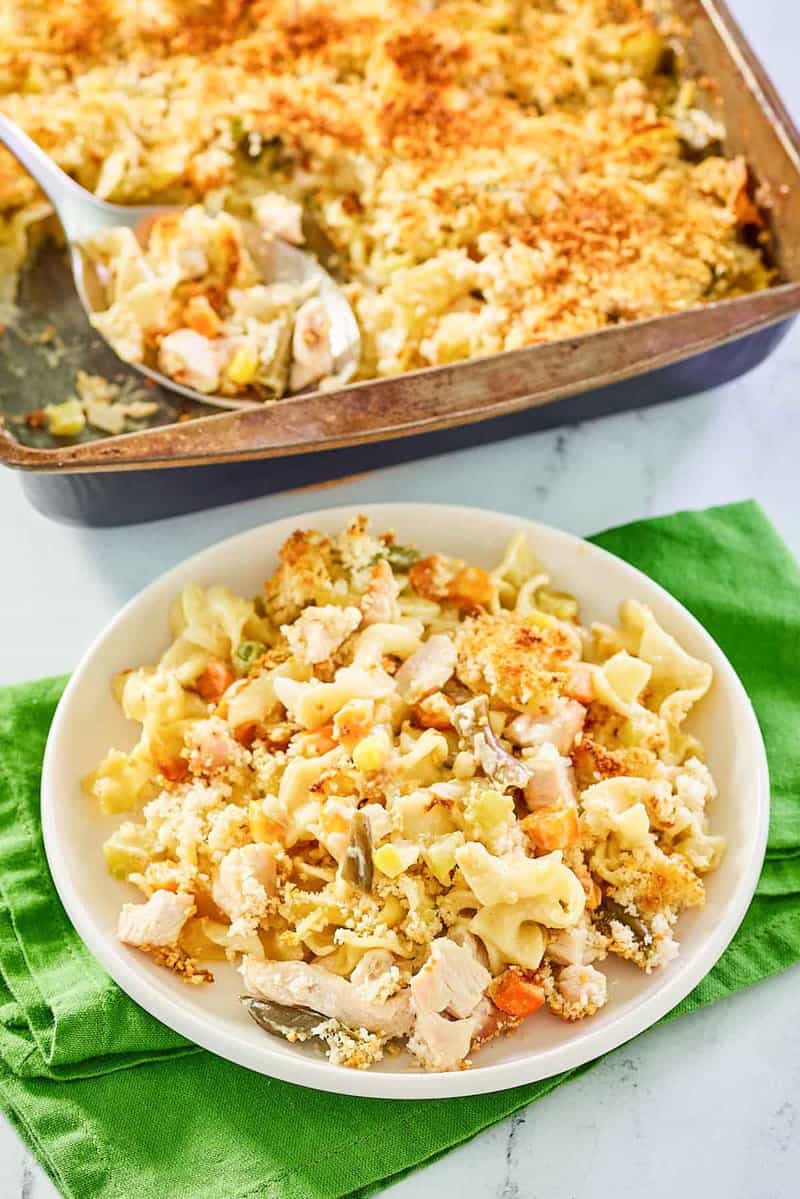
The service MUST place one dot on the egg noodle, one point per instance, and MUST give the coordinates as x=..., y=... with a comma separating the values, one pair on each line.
x=413, y=799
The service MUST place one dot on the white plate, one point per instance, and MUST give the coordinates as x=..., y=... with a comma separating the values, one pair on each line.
x=88, y=722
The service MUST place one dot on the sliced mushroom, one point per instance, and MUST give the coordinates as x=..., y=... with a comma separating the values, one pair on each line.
x=471, y=721
x=292, y=1023
x=356, y=867
x=611, y=910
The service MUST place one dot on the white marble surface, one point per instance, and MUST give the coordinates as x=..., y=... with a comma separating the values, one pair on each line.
x=708, y=1106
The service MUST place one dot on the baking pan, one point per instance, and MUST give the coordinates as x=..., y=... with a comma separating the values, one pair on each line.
x=208, y=459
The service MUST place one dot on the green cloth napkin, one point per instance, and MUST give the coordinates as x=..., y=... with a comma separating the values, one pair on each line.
x=114, y=1104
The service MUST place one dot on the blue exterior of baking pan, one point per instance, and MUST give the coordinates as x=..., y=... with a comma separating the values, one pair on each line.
x=111, y=498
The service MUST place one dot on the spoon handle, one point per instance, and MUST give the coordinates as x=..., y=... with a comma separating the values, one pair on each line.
x=68, y=198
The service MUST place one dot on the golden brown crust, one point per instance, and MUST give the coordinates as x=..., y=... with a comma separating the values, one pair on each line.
x=180, y=963
x=519, y=665
x=593, y=762
x=657, y=883
x=302, y=578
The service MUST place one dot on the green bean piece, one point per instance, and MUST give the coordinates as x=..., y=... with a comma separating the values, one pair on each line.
x=402, y=557
x=615, y=911
x=357, y=864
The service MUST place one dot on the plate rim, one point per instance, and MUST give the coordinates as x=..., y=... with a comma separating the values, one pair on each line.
x=321, y=1075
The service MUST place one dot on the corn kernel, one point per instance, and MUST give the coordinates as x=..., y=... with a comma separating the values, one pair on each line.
x=392, y=912
x=392, y=860
x=65, y=420
x=244, y=365
x=370, y=753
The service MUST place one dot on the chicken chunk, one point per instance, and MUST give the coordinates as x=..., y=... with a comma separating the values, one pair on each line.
x=156, y=923
x=318, y=632
x=376, y=976
x=551, y=783
x=211, y=748
x=189, y=358
x=297, y=984
x=576, y=991
x=244, y=881
x=379, y=601
x=452, y=980
x=426, y=670
x=449, y=1004
x=278, y=215
x=560, y=728
x=311, y=349
x=442, y=1044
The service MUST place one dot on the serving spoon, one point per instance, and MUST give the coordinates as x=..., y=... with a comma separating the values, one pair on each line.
x=81, y=215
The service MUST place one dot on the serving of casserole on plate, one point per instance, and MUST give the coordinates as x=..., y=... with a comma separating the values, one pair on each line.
x=406, y=799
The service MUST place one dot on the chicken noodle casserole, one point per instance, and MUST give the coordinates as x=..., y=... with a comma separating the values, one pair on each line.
x=231, y=332
x=412, y=798
x=490, y=173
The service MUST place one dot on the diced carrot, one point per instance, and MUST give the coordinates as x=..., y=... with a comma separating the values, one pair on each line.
x=580, y=685
x=246, y=734
x=174, y=770
x=471, y=588
x=200, y=316
x=552, y=828
x=516, y=993
x=215, y=680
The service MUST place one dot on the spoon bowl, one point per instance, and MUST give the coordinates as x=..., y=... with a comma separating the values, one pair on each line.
x=82, y=215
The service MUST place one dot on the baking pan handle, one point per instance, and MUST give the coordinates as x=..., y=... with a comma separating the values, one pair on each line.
x=425, y=400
